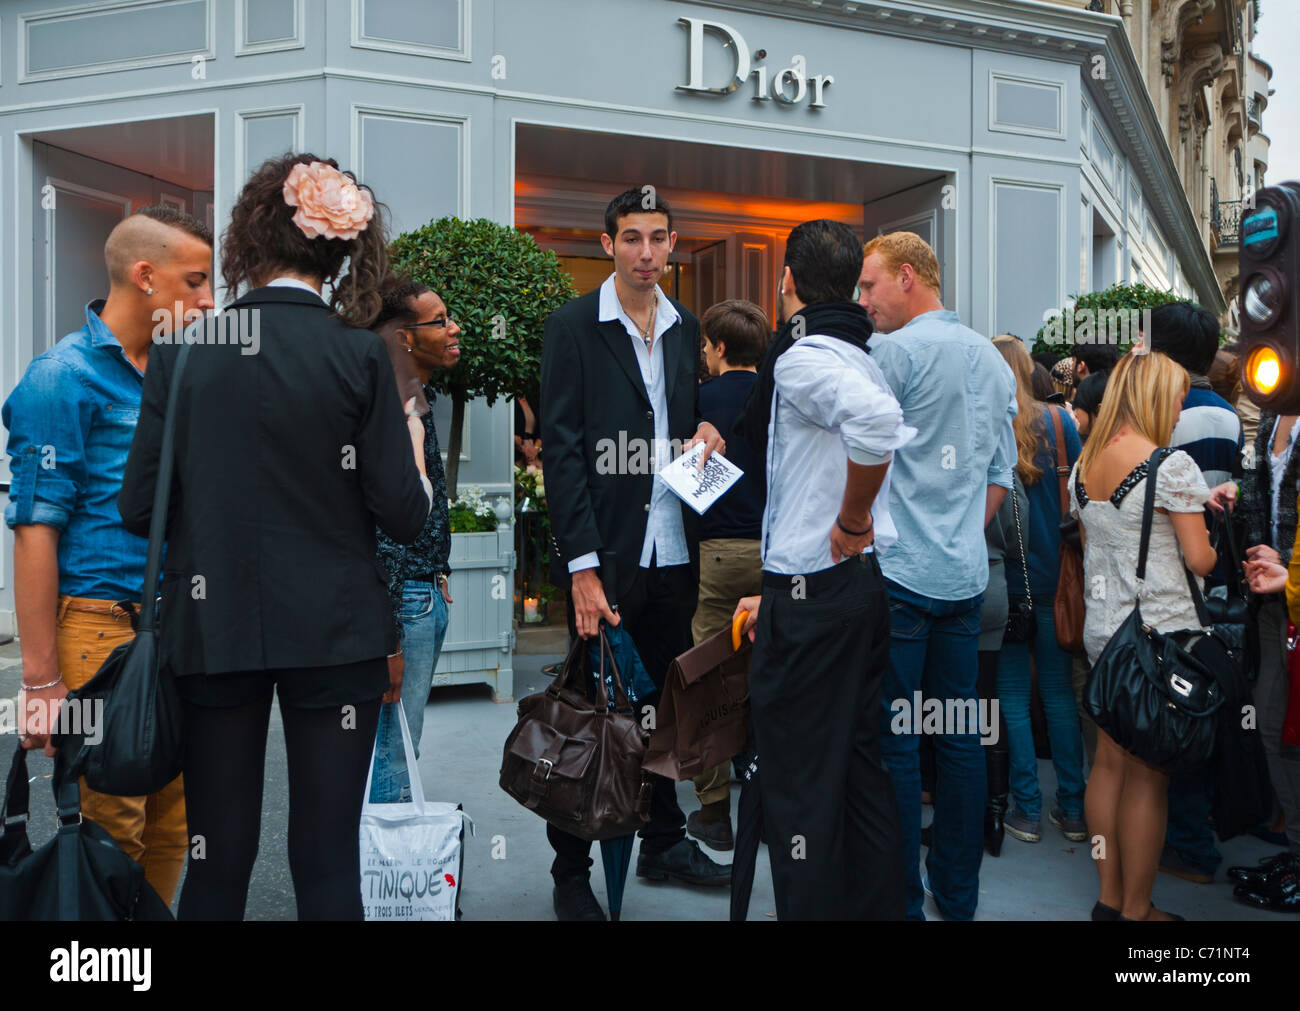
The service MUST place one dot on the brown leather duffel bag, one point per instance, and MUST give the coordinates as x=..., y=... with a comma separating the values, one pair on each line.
x=703, y=716
x=578, y=763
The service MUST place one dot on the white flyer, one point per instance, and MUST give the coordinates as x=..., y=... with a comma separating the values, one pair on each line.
x=699, y=489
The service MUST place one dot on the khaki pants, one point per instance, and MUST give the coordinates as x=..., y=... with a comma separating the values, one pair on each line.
x=151, y=830
x=730, y=568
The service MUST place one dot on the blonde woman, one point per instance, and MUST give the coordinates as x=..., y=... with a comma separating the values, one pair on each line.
x=1126, y=798
x=1038, y=531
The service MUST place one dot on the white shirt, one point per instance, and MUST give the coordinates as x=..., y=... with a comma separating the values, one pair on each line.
x=665, y=536
x=831, y=401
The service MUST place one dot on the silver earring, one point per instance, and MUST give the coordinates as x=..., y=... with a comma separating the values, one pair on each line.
x=149, y=291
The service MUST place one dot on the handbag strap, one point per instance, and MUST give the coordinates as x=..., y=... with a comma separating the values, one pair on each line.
x=17, y=799
x=1148, y=516
x=1062, y=464
x=1020, y=537
x=161, y=498
x=67, y=795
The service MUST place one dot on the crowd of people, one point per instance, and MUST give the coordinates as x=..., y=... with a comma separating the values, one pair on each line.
x=896, y=535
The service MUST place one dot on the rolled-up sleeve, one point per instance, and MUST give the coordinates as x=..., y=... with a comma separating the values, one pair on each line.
x=857, y=403
x=1005, y=453
x=48, y=416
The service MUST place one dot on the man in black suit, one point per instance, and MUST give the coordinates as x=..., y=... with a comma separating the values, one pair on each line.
x=618, y=387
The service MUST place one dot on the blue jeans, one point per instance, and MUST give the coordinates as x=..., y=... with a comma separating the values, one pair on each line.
x=1057, y=690
x=934, y=649
x=424, y=626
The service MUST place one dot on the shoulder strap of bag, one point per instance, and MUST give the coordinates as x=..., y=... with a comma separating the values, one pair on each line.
x=16, y=802
x=1148, y=515
x=1062, y=464
x=1148, y=512
x=161, y=497
x=67, y=795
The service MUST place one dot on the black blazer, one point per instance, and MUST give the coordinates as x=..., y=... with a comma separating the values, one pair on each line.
x=591, y=391
x=285, y=461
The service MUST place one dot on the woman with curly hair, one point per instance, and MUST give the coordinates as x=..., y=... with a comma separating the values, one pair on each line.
x=290, y=448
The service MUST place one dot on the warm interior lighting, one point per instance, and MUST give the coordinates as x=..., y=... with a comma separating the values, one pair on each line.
x=1264, y=370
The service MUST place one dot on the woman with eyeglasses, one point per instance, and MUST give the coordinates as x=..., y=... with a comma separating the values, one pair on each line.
x=286, y=460
x=417, y=572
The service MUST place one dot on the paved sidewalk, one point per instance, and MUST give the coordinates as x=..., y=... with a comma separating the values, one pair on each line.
x=463, y=735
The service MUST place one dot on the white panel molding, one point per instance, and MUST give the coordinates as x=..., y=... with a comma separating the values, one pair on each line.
x=361, y=111
x=245, y=48
x=242, y=117
x=995, y=183
x=460, y=52
x=998, y=126
x=208, y=52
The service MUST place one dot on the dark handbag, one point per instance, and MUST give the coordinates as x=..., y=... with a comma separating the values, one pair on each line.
x=1067, y=605
x=577, y=763
x=1239, y=605
x=703, y=716
x=1021, y=621
x=139, y=708
x=80, y=874
x=1243, y=791
x=1155, y=693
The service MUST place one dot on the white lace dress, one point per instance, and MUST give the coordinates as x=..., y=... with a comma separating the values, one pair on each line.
x=1114, y=530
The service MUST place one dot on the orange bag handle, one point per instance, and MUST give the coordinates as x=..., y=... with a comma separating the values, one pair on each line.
x=737, y=624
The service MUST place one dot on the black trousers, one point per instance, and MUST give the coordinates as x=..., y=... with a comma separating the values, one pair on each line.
x=656, y=612
x=820, y=653
x=328, y=747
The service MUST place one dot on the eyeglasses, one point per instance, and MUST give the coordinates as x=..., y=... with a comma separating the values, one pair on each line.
x=441, y=323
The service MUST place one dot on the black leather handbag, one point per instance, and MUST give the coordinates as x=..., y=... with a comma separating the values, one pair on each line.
x=1156, y=693
x=80, y=874
x=139, y=747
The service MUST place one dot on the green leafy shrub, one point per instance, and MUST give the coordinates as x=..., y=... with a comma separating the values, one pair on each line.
x=500, y=287
x=1095, y=307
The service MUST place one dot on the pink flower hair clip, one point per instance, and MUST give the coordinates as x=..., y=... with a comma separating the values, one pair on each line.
x=330, y=205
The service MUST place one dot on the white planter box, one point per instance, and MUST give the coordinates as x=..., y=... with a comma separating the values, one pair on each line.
x=480, y=640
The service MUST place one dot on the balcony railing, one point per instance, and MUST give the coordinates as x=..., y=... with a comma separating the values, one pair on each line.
x=1225, y=220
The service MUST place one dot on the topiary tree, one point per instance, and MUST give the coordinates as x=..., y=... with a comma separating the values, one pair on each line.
x=1098, y=313
x=500, y=287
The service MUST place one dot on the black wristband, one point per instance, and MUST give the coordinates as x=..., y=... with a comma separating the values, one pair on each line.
x=855, y=533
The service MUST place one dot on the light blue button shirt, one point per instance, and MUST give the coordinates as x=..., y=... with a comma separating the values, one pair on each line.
x=665, y=535
x=960, y=395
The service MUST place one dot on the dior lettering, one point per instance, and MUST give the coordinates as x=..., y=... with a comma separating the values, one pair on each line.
x=788, y=85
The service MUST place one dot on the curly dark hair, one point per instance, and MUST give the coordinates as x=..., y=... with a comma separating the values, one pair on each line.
x=262, y=239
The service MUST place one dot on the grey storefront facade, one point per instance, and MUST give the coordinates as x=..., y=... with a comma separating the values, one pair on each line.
x=1016, y=137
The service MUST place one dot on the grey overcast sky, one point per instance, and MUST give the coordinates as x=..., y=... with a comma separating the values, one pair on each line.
x=1278, y=34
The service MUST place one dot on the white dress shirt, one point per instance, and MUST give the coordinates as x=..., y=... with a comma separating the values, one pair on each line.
x=665, y=536
x=831, y=402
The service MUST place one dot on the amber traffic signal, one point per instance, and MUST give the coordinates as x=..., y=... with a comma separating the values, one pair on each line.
x=1270, y=298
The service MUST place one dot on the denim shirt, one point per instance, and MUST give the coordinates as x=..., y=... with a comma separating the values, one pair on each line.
x=71, y=420
x=960, y=395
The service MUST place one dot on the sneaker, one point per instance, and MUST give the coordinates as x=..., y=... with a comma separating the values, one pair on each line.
x=1022, y=828
x=1073, y=828
x=1172, y=863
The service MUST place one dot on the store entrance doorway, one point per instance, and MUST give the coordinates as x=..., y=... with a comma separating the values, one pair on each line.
x=732, y=207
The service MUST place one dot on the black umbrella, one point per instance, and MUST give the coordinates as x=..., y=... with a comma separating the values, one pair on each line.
x=749, y=830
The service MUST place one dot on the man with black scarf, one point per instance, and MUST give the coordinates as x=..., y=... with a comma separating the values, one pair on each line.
x=826, y=424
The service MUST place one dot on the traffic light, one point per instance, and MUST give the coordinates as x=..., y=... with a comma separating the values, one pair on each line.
x=1268, y=259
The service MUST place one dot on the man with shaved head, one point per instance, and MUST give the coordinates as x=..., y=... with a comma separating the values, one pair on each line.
x=77, y=571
